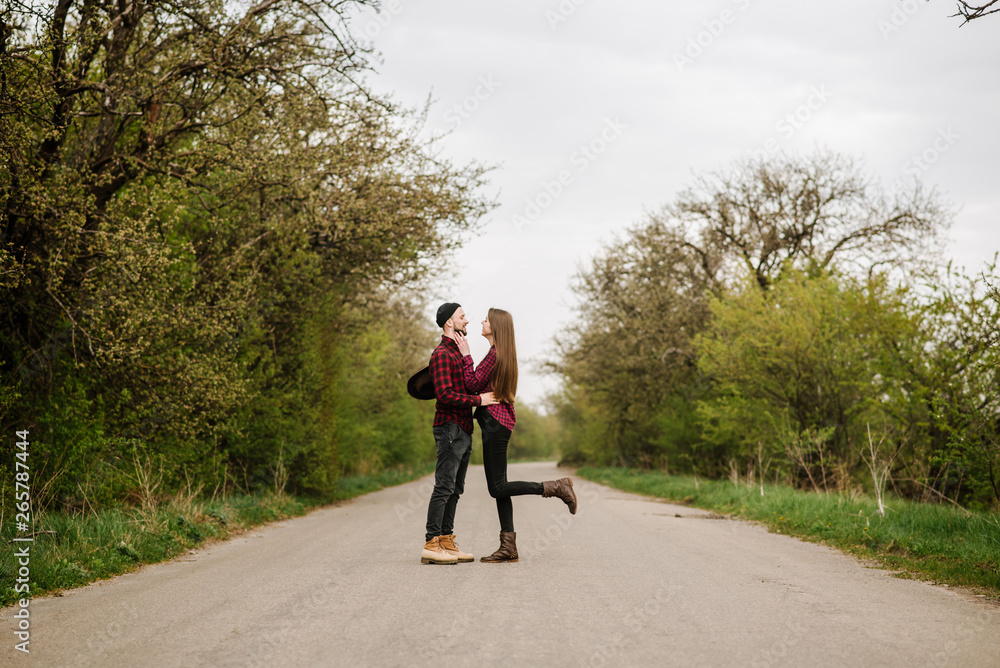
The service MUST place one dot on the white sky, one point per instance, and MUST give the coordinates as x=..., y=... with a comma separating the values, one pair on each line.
x=540, y=80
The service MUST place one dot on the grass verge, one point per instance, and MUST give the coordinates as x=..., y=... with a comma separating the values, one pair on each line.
x=74, y=550
x=944, y=544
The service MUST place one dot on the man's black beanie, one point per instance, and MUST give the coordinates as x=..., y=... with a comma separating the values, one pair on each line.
x=445, y=311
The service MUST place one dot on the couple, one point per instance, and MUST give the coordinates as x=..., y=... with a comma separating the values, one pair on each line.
x=457, y=384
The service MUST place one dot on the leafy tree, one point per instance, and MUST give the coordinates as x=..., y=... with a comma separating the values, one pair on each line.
x=959, y=369
x=630, y=356
x=640, y=305
x=807, y=369
x=803, y=369
x=536, y=436
x=796, y=370
x=188, y=189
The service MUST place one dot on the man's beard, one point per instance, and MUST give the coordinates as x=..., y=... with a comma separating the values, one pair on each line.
x=461, y=331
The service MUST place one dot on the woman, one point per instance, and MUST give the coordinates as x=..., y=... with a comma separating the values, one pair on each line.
x=497, y=373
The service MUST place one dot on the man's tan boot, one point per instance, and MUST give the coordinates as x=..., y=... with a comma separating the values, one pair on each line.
x=435, y=554
x=448, y=543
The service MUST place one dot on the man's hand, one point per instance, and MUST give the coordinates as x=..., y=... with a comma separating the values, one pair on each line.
x=487, y=399
x=463, y=344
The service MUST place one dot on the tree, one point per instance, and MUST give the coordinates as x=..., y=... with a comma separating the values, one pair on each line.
x=960, y=369
x=640, y=304
x=805, y=367
x=814, y=212
x=629, y=359
x=971, y=11
x=186, y=187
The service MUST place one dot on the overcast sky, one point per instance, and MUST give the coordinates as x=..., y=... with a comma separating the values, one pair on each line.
x=598, y=112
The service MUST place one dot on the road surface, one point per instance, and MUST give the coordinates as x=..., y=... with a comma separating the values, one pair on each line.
x=628, y=581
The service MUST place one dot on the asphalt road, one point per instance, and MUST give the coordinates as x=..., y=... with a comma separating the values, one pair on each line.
x=625, y=582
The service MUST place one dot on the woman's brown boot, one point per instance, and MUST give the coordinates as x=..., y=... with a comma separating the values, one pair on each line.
x=562, y=488
x=507, y=553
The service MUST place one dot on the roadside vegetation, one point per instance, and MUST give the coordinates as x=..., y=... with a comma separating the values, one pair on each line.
x=70, y=550
x=942, y=543
x=792, y=318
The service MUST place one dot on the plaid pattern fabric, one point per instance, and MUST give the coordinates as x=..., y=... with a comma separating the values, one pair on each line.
x=478, y=380
x=453, y=402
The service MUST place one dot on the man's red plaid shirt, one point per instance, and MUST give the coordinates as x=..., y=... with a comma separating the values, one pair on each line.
x=453, y=401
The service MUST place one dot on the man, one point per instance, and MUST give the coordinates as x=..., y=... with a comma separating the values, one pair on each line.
x=453, y=437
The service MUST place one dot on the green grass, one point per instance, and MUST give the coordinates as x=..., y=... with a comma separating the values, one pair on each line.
x=94, y=546
x=934, y=542
x=350, y=487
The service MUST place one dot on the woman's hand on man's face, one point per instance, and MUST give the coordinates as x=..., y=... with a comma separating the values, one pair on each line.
x=463, y=344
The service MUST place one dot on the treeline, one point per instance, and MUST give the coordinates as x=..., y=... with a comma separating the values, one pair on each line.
x=790, y=319
x=212, y=233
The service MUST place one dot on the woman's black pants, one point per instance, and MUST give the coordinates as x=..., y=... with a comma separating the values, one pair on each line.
x=495, y=439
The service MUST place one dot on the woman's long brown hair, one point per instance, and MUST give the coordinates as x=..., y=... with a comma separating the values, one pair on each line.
x=504, y=376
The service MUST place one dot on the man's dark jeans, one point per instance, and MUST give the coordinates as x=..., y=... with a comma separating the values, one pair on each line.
x=454, y=447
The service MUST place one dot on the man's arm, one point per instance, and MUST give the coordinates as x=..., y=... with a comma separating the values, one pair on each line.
x=442, y=373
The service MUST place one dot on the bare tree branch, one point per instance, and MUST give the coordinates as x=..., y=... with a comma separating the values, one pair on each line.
x=969, y=11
